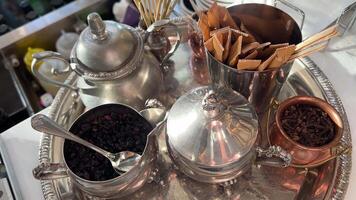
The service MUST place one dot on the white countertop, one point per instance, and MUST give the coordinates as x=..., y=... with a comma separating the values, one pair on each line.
x=20, y=144
x=20, y=149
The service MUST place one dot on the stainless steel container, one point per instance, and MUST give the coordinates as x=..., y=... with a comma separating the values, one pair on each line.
x=270, y=25
x=119, y=186
x=212, y=136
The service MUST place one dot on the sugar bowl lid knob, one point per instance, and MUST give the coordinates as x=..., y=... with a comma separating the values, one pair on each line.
x=97, y=26
x=212, y=104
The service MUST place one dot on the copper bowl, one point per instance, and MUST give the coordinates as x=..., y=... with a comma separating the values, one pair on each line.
x=305, y=156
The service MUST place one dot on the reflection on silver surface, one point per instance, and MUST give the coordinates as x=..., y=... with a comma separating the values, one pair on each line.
x=328, y=181
x=211, y=134
x=212, y=140
x=113, y=62
x=259, y=87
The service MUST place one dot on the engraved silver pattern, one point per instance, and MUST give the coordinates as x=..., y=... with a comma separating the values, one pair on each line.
x=275, y=151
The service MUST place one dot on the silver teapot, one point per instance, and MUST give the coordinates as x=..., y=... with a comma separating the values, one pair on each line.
x=112, y=63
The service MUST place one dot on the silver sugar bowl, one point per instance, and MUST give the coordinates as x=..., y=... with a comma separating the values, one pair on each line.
x=122, y=185
x=212, y=136
x=112, y=64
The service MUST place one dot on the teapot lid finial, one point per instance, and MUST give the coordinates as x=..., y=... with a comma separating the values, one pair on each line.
x=212, y=104
x=97, y=26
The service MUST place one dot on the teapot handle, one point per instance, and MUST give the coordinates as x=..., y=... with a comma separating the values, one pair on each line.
x=38, y=57
x=273, y=156
x=50, y=171
x=158, y=25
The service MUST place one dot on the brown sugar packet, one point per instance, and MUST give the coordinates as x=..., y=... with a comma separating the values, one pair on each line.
x=250, y=37
x=220, y=36
x=263, y=46
x=245, y=64
x=221, y=30
x=276, y=46
x=249, y=47
x=213, y=17
x=267, y=52
x=235, y=51
x=225, y=18
x=218, y=49
x=252, y=55
x=237, y=33
x=209, y=45
x=282, y=56
x=204, y=27
x=265, y=63
x=215, y=8
x=227, y=46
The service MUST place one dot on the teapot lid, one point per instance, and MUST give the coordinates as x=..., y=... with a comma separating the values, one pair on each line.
x=106, y=49
x=212, y=128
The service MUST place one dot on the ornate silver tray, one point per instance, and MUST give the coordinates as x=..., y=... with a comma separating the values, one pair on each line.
x=328, y=181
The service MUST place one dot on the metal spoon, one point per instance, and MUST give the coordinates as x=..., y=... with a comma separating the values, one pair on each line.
x=121, y=162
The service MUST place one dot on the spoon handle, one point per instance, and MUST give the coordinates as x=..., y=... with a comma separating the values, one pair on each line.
x=44, y=124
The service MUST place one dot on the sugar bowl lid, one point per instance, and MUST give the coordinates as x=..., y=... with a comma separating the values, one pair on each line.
x=212, y=128
x=106, y=48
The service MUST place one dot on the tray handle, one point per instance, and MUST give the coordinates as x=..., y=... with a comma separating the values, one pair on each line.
x=50, y=171
x=274, y=156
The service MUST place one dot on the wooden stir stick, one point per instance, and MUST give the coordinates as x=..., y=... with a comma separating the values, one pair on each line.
x=307, y=52
x=158, y=10
x=326, y=34
x=142, y=13
x=154, y=10
x=314, y=43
